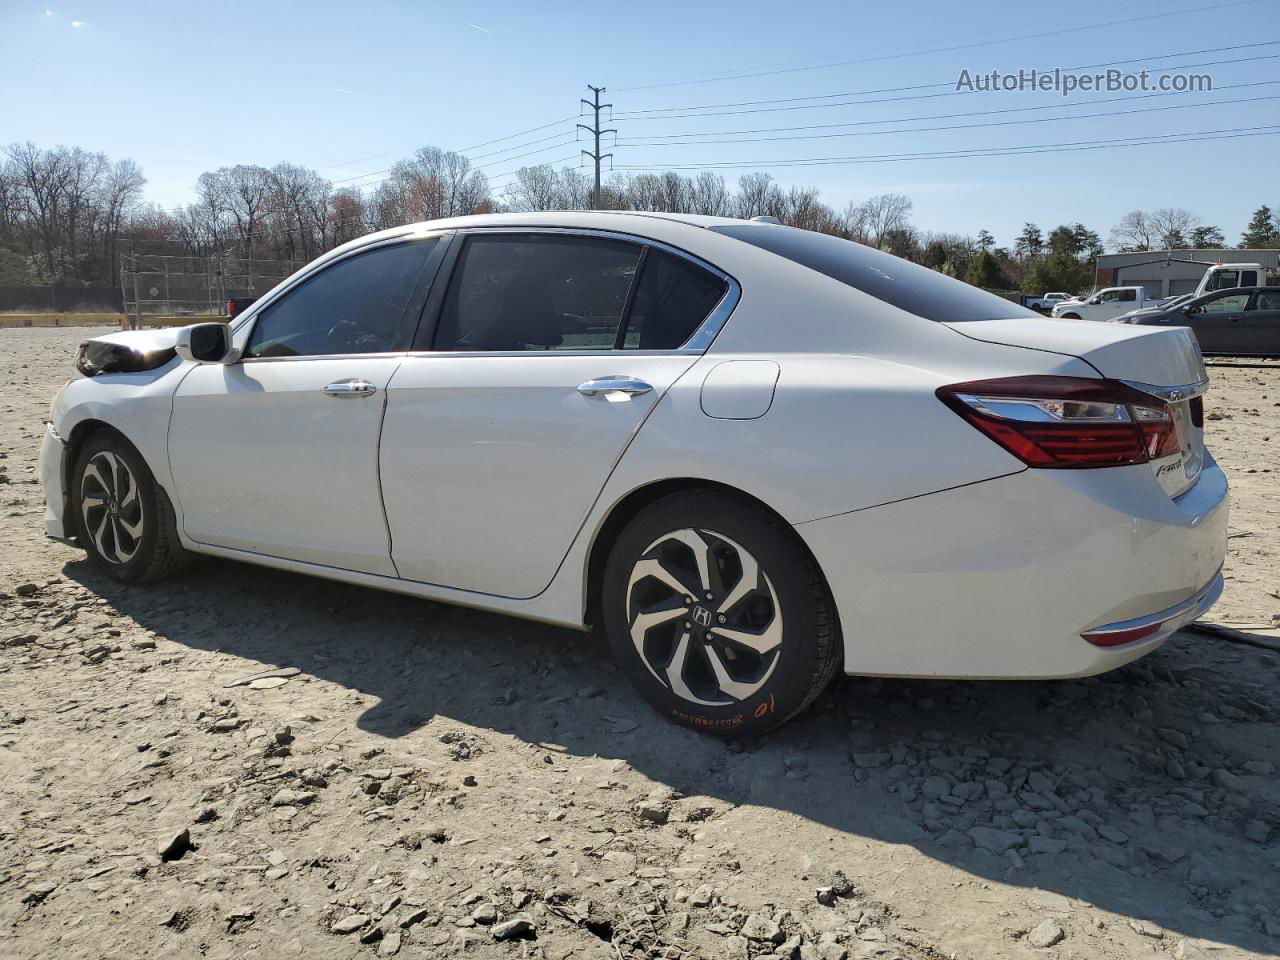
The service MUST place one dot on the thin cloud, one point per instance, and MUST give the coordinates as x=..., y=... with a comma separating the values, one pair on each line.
x=78, y=23
x=349, y=93
x=48, y=13
x=476, y=26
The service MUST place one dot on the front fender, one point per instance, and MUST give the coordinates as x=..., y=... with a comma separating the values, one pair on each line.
x=137, y=405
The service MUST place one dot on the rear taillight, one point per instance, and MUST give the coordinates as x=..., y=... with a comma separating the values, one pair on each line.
x=1067, y=422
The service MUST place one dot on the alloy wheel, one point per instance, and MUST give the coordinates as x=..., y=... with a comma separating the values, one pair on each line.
x=704, y=617
x=111, y=507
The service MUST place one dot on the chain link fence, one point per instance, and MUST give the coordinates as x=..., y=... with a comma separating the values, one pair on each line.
x=155, y=286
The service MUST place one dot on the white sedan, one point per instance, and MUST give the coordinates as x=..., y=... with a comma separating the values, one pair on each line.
x=752, y=455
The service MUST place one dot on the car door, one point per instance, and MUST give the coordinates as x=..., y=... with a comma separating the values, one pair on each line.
x=1216, y=321
x=545, y=354
x=277, y=454
x=1260, y=325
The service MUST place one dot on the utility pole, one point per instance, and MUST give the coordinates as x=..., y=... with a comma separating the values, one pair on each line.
x=595, y=131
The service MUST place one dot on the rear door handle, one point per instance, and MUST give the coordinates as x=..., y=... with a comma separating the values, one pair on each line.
x=355, y=387
x=614, y=388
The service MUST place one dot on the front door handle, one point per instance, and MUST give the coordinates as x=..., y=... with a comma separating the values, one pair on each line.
x=614, y=388
x=355, y=387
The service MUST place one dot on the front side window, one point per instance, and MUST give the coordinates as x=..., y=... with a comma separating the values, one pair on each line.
x=1228, y=304
x=527, y=292
x=354, y=306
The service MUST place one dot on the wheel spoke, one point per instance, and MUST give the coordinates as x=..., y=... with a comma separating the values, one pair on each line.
x=653, y=567
x=749, y=581
x=646, y=621
x=675, y=673
x=134, y=530
x=100, y=532
x=734, y=688
x=761, y=642
x=91, y=472
x=701, y=554
x=131, y=495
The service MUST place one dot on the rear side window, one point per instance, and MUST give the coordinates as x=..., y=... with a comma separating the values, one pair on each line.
x=672, y=300
x=537, y=293
x=899, y=283
x=1268, y=300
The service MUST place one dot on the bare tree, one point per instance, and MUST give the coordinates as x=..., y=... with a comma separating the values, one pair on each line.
x=885, y=214
x=1133, y=232
x=1172, y=226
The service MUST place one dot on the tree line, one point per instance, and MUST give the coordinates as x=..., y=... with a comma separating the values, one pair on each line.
x=66, y=214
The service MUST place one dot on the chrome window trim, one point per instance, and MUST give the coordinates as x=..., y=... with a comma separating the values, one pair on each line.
x=699, y=341
x=323, y=262
x=1171, y=394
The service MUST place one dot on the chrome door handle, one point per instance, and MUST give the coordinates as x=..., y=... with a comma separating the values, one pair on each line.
x=355, y=387
x=621, y=388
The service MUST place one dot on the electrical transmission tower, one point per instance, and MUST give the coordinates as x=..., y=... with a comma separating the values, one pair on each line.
x=596, y=132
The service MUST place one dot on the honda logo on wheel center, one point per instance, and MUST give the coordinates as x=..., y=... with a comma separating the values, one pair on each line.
x=702, y=616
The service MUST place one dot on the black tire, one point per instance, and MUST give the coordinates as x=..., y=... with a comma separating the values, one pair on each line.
x=792, y=589
x=1070, y=316
x=154, y=553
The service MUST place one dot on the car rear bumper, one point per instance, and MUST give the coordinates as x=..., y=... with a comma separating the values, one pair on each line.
x=53, y=450
x=1000, y=579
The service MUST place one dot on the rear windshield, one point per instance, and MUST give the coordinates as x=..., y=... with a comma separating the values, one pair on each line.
x=900, y=283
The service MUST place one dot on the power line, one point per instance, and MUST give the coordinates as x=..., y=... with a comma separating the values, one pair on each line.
x=386, y=153
x=674, y=139
x=743, y=75
x=374, y=173
x=863, y=103
x=1017, y=150
x=717, y=74
x=676, y=113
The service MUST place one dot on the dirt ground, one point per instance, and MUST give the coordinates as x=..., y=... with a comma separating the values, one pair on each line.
x=436, y=782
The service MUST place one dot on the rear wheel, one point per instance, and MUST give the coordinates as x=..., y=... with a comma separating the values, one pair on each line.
x=718, y=614
x=1071, y=316
x=123, y=518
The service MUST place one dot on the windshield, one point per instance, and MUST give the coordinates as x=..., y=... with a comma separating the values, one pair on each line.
x=900, y=283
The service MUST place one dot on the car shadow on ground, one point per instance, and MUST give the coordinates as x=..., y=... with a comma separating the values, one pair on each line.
x=850, y=764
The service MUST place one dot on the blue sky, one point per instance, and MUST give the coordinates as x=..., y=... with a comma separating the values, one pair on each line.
x=347, y=88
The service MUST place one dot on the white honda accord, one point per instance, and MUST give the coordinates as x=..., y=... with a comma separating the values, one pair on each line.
x=752, y=455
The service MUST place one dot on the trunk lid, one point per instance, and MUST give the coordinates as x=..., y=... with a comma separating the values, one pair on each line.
x=1164, y=361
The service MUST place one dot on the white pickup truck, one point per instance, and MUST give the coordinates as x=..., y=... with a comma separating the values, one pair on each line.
x=1045, y=304
x=1105, y=304
x=1227, y=276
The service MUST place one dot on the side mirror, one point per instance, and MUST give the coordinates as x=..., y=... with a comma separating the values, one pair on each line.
x=1096, y=300
x=205, y=343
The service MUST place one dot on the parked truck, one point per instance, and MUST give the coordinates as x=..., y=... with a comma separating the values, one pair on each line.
x=1104, y=304
x=1227, y=276
x=1046, y=303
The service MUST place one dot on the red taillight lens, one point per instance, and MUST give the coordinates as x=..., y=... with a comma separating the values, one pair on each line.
x=1067, y=422
x=231, y=308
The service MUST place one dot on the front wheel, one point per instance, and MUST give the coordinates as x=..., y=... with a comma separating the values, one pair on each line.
x=1070, y=316
x=123, y=518
x=718, y=614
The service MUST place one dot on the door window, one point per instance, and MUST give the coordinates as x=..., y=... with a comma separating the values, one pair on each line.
x=525, y=292
x=672, y=300
x=1267, y=300
x=1229, y=304
x=354, y=306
